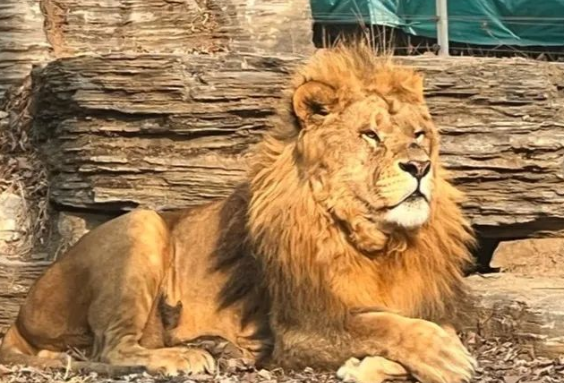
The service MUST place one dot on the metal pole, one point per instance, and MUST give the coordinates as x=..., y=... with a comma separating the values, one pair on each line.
x=442, y=27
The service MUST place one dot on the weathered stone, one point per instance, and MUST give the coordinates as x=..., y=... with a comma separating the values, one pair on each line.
x=22, y=41
x=542, y=257
x=71, y=226
x=167, y=131
x=91, y=26
x=16, y=277
x=35, y=31
x=273, y=27
x=528, y=309
x=13, y=222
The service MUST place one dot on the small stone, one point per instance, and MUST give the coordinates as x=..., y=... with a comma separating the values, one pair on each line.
x=265, y=374
x=71, y=227
x=13, y=221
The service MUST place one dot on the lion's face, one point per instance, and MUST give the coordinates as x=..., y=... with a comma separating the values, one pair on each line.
x=370, y=157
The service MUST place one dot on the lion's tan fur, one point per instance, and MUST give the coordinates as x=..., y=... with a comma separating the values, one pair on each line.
x=282, y=252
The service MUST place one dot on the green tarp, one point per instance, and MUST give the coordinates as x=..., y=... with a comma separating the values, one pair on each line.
x=483, y=22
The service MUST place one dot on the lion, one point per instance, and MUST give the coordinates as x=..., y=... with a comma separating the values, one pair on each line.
x=345, y=247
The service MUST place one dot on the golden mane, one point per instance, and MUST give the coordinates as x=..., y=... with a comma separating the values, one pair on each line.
x=354, y=68
x=302, y=246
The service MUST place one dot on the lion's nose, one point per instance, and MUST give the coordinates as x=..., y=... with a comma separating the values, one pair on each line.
x=417, y=169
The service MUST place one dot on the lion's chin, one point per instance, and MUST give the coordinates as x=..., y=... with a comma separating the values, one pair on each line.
x=410, y=214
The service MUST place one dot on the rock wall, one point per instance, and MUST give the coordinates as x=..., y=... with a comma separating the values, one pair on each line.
x=164, y=131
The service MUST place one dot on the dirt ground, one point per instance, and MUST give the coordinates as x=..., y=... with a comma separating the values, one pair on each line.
x=500, y=361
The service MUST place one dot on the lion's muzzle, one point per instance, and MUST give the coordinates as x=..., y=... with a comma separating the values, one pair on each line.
x=418, y=169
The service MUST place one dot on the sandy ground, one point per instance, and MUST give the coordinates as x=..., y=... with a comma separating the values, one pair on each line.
x=500, y=361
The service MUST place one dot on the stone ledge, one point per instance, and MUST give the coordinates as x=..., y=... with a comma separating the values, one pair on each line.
x=528, y=309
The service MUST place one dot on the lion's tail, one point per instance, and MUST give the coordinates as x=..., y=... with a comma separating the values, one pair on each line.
x=15, y=350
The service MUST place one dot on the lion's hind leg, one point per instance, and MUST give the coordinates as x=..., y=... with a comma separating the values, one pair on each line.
x=132, y=286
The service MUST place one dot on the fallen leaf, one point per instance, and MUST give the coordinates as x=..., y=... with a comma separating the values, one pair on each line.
x=512, y=378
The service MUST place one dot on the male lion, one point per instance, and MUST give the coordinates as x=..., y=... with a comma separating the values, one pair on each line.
x=345, y=242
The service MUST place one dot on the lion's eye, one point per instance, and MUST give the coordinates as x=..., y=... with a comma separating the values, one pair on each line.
x=419, y=135
x=371, y=136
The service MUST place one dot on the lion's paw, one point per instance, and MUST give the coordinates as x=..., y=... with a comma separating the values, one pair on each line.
x=182, y=360
x=372, y=369
x=437, y=356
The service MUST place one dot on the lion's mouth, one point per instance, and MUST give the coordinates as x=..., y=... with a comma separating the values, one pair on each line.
x=417, y=195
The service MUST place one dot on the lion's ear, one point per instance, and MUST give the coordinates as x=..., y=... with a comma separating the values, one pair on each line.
x=313, y=99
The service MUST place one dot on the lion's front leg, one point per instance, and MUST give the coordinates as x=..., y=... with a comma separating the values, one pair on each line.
x=427, y=351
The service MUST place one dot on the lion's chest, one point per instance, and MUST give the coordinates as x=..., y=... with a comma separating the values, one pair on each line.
x=368, y=284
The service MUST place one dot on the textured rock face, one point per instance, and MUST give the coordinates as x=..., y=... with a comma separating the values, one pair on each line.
x=273, y=26
x=76, y=26
x=528, y=308
x=22, y=41
x=172, y=131
x=36, y=31
x=538, y=257
x=13, y=222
